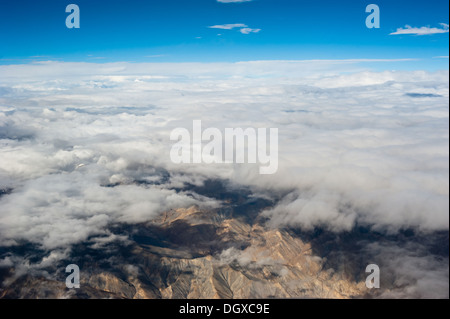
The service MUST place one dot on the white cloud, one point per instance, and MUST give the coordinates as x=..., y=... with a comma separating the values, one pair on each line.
x=230, y=26
x=422, y=30
x=249, y=30
x=243, y=28
x=410, y=272
x=355, y=146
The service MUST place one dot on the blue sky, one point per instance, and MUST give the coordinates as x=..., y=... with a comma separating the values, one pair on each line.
x=180, y=31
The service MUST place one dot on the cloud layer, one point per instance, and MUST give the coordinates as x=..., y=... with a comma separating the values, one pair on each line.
x=85, y=146
x=360, y=147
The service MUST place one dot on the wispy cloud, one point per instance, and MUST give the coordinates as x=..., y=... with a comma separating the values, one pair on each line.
x=229, y=26
x=249, y=30
x=244, y=29
x=422, y=30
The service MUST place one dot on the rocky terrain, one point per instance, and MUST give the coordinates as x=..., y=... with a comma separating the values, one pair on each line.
x=228, y=252
x=190, y=253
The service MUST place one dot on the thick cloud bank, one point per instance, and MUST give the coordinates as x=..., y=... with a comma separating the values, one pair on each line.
x=84, y=146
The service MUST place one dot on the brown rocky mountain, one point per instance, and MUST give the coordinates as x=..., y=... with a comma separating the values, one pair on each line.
x=192, y=253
